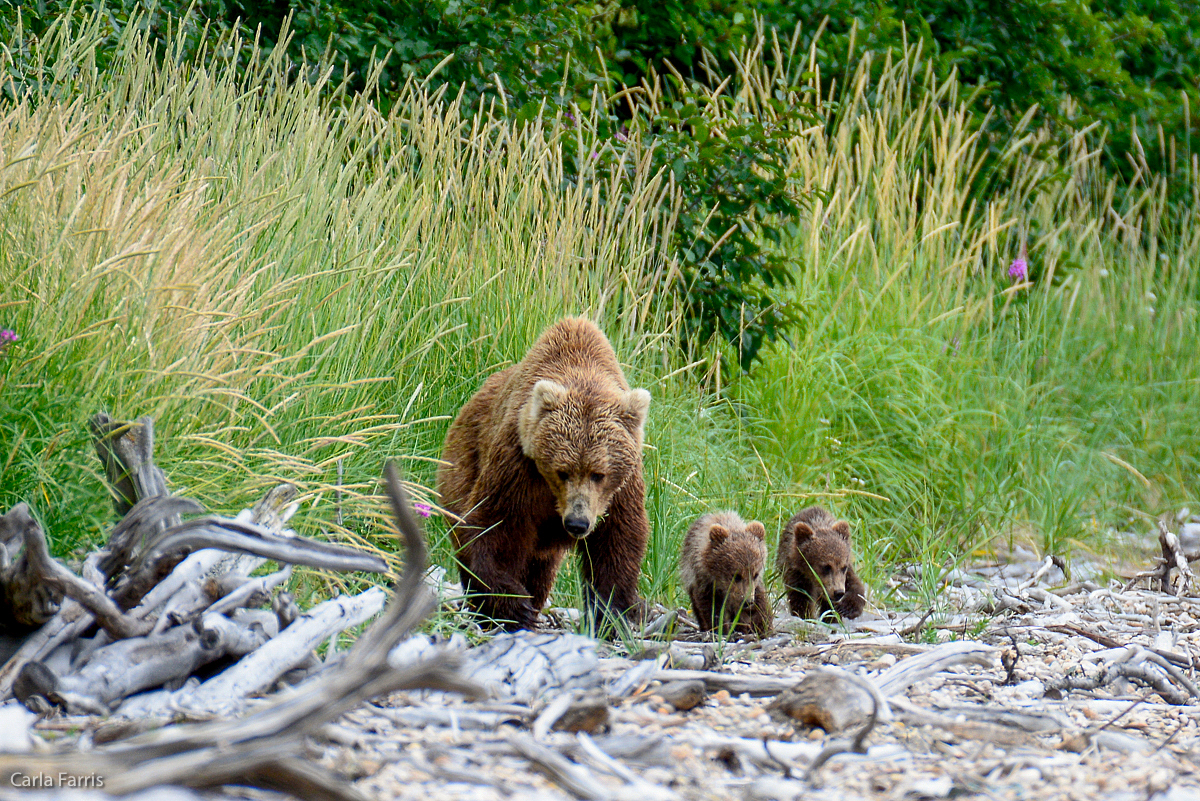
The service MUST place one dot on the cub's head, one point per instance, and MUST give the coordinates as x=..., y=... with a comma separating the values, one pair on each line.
x=825, y=552
x=735, y=559
x=585, y=444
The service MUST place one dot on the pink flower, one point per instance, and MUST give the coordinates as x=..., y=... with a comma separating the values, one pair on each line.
x=7, y=336
x=1018, y=270
x=423, y=509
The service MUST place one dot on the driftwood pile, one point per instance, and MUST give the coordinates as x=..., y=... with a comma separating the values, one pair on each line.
x=165, y=597
x=168, y=596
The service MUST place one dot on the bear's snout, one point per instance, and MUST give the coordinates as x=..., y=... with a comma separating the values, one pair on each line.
x=577, y=525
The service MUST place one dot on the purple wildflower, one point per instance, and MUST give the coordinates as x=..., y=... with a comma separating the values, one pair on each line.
x=423, y=509
x=621, y=137
x=595, y=155
x=1018, y=270
x=7, y=337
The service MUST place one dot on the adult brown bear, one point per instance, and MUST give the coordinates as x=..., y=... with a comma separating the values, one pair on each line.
x=545, y=457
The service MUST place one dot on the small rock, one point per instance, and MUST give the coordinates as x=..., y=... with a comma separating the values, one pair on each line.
x=589, y=714
x=883, y=662
x=824, y=700
x=683, y=695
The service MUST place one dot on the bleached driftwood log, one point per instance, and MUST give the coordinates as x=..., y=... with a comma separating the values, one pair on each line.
x=260, y=669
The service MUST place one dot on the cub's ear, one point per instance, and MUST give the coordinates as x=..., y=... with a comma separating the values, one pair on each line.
x=637, y=404
x=546, y=397
x=717, y=535
x=843, y=529
x=802, y=533
x=757, y=529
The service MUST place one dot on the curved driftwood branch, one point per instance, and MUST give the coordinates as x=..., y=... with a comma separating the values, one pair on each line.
x=413, y=600
x=238, y=537
x=92, y=598
x=259, y=670
x=127, y=452
x=145, y=520
x=26, y=600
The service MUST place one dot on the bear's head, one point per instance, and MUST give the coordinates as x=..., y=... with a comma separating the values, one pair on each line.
x=586, y=442
x=825, y=553
x=735, y=560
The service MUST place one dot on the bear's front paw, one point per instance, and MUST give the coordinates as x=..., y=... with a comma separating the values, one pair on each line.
x=518, y=615
x=851, y=605
x=640, y=612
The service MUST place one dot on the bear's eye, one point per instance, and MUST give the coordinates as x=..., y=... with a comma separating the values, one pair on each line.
x=562, y=475
x=826, y=569
x=598, y=478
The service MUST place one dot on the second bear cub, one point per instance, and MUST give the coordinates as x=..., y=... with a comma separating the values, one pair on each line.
x=815, y=562
x=721, y=568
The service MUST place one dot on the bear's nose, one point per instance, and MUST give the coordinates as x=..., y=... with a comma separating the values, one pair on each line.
x=576, y=525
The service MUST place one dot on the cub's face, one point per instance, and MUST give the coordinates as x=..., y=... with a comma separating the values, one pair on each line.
x=584, y=446
x=741, y=586
x=827, y=555
x=736, y=559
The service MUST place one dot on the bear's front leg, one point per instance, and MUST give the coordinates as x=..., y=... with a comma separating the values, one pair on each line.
x=854, y=600
x=703, y=604
x=610, y=558
x=492, y=582
x=502, y=600
x=760, y=612
x=802, y=603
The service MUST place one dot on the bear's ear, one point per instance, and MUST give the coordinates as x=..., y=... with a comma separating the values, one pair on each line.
x=757, y=529
x=637, y=404
x=546, y=396
x=802, y=533
x=717, y=535
x=843, y=529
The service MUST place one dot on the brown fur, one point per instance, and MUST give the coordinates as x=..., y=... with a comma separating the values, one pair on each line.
x=815, y=562
x=546, y=457
x=721, y=567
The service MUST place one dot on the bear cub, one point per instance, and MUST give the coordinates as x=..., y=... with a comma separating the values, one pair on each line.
x=722, y=570
x=815, y=562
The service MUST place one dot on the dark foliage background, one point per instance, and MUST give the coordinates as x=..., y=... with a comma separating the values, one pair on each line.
x=1131, y=65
